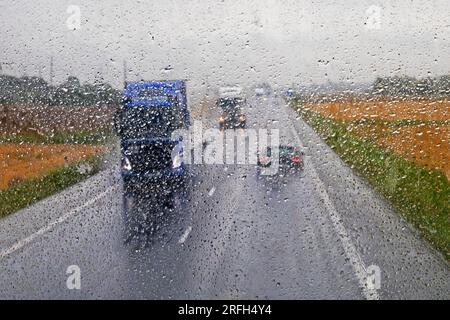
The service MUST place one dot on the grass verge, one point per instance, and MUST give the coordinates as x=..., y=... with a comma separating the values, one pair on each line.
x=33, y=190
x=422, y=196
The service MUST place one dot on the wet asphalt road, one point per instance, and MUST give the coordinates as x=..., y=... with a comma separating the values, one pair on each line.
x=229, y=234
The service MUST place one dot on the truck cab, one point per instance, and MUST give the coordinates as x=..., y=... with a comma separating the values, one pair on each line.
x=231, y=103
x=232, y=114
x=148, y=115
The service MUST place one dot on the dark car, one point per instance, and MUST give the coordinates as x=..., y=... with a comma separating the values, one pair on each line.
x=290, y=159
x=232, y=115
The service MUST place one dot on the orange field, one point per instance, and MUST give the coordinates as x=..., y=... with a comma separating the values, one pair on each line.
x=19, y=162
x=421, y=141
x=427, y=145
x=383, y=109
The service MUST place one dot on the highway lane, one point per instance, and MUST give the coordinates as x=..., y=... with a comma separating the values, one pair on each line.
x=231, y=234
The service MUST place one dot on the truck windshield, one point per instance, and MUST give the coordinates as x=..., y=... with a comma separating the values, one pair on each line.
x=228, y=105
x=150, y=94
x=144, y=121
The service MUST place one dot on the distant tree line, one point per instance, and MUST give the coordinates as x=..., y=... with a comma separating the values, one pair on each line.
x=35, y=90
x=409, y=86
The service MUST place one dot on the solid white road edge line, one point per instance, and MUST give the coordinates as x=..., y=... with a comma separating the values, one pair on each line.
x=211, y=192
x=21, y=243
x=349, y=248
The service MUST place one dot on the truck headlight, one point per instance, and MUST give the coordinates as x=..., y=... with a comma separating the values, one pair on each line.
x=177, y=161
x=126, y=164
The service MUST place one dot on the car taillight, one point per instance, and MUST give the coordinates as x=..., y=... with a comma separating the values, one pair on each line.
x=264, y=160
x=296, y=159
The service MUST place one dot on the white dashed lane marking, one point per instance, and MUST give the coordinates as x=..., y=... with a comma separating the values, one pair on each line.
x=185, y=235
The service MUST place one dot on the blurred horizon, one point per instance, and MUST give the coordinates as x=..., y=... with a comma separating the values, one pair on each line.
x=223, y=42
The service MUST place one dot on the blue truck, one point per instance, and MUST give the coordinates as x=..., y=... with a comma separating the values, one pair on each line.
x=148, y=115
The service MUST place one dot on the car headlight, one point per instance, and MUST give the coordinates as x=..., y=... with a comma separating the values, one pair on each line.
x=177, y=161
x=126, y=164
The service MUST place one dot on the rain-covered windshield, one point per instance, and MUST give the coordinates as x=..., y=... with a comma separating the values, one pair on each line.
x=225, y=149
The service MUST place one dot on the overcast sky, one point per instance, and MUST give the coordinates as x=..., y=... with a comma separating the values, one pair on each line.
x=227, y=41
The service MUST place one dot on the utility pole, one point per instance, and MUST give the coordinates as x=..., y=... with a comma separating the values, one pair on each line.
x=99, y=75
x=51, y=70
x=124, y=72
